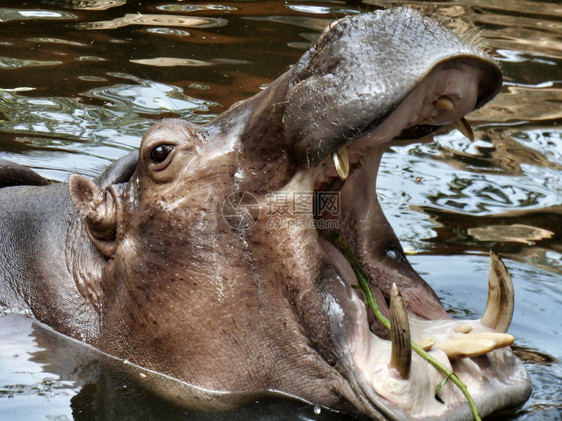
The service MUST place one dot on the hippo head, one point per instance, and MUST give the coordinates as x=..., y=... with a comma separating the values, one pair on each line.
x=217, y=258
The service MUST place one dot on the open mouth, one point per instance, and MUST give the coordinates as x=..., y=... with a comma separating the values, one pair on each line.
x=399, y=382
x=385, y=364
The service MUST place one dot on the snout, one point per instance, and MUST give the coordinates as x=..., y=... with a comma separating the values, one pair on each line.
x=401, y=71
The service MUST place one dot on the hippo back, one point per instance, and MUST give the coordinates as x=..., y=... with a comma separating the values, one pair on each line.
x=12, y=174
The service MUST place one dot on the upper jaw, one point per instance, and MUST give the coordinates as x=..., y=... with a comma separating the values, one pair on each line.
x=356, y=78
x=443, y=97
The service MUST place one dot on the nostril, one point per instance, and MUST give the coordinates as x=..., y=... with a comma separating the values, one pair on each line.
x=391, y=254
x=395, y=253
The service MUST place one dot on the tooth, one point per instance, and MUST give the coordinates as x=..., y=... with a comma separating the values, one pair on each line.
x=499, y=308
x=426, y=343
x=463, y=127
x=445, y=104
x=463, y=328
x=500, y=339
x=401, y=353
x=429, y=120
x=341, y=161
x=463, y=348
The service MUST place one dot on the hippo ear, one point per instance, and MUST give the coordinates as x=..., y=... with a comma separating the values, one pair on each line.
x=100, y=208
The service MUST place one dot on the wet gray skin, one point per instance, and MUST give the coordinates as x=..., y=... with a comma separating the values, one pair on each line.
x=142, y=264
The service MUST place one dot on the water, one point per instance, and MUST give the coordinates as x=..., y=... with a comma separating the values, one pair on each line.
x=81, y=81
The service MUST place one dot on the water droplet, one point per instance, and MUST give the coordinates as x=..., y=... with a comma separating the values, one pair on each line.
x=317, y=409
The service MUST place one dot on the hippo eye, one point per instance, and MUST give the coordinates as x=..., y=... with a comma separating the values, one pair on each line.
x=160, y=153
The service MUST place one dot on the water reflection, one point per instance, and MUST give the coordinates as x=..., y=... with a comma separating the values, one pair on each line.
x=169, y=32
x=190, y=8
x=9, y=14
x=14, y=63
x=171, y=62
x=489, y=179
x=517, y=233
x=85, y=4
x=62, y=379
x=522, y=26
x=517, y=103
x=113, y=124
x=151, y=20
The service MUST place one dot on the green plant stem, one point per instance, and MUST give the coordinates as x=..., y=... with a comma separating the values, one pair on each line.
x=363, y=279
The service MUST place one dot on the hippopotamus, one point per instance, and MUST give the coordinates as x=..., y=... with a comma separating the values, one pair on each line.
x=210, y=256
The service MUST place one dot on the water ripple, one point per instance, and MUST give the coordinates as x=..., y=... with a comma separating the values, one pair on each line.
x=8, y=15
x=86, y=4
x=154, y=20
x=16, y=63
x=69, y=126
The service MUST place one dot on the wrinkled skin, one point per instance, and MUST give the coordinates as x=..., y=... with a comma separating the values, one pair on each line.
x=141, y=263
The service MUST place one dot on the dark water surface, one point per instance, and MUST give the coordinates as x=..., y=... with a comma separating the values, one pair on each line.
x=81, y=81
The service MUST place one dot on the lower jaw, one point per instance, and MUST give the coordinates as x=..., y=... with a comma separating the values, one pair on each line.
x=496, y=381
x=414, y=397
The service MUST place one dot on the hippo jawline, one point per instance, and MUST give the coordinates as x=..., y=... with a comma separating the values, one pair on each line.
x=441, y=94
